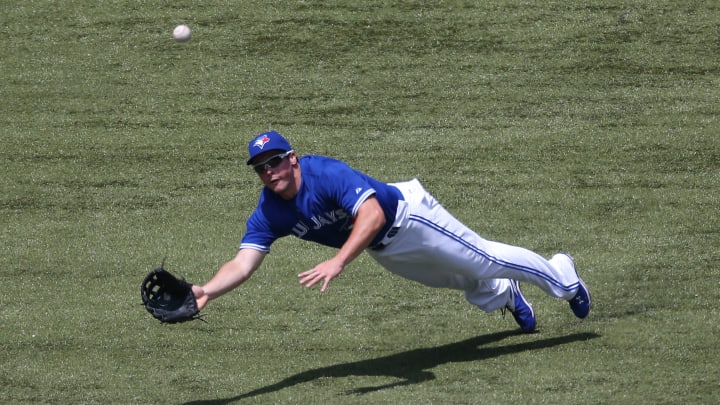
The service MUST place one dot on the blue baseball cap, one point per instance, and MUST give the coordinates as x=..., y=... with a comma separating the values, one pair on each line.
x=271, y=140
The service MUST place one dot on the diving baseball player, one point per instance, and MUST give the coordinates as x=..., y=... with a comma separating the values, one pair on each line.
x=400, y=225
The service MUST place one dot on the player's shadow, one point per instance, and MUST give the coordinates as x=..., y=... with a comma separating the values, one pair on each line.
x=411, y=366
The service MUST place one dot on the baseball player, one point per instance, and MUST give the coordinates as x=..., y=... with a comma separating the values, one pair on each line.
x=400, y=225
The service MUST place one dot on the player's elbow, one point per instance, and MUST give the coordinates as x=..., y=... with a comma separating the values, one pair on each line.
x=378, y=222
x=372, y=214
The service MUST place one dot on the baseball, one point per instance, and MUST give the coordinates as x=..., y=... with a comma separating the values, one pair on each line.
x=182, y=33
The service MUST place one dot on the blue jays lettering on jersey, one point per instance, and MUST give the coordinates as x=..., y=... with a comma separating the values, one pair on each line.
x=324, y=209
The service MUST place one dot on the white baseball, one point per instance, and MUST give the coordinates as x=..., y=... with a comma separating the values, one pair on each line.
x=182, y=33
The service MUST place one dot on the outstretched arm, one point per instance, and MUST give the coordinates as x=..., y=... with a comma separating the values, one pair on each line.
x=369, y=221
x=229, y=276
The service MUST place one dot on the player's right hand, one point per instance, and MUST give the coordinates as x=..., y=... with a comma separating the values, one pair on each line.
x=324, y=272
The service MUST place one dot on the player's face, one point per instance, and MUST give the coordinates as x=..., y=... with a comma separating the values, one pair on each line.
x=277, y=172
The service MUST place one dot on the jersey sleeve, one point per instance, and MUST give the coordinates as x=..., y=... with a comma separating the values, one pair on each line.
x=347, y=186
x=258, y=234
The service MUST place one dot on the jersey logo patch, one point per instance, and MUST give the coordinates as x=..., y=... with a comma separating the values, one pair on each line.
x=358, y=190
x=260, y=142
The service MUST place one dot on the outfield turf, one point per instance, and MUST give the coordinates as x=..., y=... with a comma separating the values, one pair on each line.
x=584, y=126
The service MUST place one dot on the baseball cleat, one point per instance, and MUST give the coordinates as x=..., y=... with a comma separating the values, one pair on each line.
x=580, y=303
x=521, y=309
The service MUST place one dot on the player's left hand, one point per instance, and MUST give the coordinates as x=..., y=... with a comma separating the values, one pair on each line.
x=200, y=296
x=324, y=271
x=168, y=298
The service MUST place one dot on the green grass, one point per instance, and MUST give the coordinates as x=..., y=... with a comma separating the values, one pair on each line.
x=589, y=127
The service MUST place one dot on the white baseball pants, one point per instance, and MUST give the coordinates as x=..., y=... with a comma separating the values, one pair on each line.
x=435, y=249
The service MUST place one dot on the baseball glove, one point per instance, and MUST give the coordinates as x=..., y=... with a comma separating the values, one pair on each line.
x=168, y=298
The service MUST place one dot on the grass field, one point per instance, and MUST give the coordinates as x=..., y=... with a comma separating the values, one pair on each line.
x=585, y=126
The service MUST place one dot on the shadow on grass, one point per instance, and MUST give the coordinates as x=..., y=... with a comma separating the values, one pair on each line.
x=411, y=366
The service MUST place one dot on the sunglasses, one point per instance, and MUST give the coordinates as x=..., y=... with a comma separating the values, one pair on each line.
x=271, y=162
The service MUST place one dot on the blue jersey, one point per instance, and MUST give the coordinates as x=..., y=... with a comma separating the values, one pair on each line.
x=324, y=208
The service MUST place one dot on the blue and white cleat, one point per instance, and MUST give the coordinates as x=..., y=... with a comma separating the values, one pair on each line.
x=521, y=309
x=580, y=303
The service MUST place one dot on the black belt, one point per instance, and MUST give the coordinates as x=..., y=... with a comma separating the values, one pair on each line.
x=393, y=231
x=390, y=234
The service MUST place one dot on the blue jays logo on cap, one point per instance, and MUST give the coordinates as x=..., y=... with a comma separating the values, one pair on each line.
x=260, y=142
x=271, y=140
